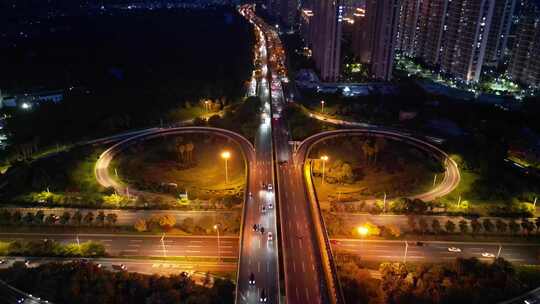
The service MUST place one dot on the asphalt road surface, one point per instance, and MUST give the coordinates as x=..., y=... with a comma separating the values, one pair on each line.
x=146, y=245
x=436, y=251
x=259, y=255
x=304, y=279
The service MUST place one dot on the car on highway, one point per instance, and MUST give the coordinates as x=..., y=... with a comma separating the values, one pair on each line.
x=120, y=267
x=2, y=261
x=269, y=187
x=488, y=255
x=263, y=209
x=263, y=298
x=270, y=237
x=252, y=279
x=255, y=227
x=454, y=249
x=270, y=206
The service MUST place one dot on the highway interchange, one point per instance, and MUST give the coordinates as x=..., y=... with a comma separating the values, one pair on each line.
x=289, y=214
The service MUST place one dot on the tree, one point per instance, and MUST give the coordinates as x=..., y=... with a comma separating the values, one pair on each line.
x=423, y=225
x=463, y=226
x=111, y=218
x=411, y=221
x=167, y=221
x=100, y=218
x=40, y=215
x=140, y=225
x=450, y=226
x=488, y=225
x=527, y=226
x=51, y=219
x=436, y=226
x=5, y=217
x=88, y=218
x=393, y=230
x=501, y=226
x=28, y=218
x=64, y=219
x=77, y=218
x=513, y=226
x=476, y=226
x=16, y=217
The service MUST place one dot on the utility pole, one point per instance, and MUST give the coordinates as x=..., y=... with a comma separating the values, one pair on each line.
x=434, y=179
x=499, y=252
x=384, y=202
x=406, y=251
x=163, y=245
x=218, y=243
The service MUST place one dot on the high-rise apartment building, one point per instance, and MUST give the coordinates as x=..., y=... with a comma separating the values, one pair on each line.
x=375, y=37
x=451, y=35
x=525, y=59
x=288, y=12
x=322, y=31
x=499, y=31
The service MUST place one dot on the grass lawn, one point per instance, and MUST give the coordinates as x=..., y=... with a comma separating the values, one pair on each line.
x=399, y=170
x=150, y=164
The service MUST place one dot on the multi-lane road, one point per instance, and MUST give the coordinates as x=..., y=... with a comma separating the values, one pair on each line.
x=145, y=245
x=259, y=250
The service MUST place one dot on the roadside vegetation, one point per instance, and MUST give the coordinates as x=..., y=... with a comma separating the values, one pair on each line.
x=100, y=221
x=459, y=281
x=436, y=228
x=79, y=282
x=50, y=248
x=62, y=179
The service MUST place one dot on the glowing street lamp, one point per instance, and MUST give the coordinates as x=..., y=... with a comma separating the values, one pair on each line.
x=363, y=230
x=322, y=106
x=324, y=159
x=226, y=155
x=206, y=105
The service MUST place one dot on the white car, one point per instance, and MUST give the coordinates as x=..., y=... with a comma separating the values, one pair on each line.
x=269, y=187
x=270, y=237
x=454, y=249
x=270, y=206
x=488, y=255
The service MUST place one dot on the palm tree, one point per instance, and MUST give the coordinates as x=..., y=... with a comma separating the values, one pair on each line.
x=513, y=226
x=88, y=218
x=100, y=218
x=450, y=226
x=488, y=225
x=463, y=226
x=77, y=217
x=64, y=219
x=111, y=218
x=501, y=226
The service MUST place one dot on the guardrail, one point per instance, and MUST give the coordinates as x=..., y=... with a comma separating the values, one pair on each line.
x=329, y=268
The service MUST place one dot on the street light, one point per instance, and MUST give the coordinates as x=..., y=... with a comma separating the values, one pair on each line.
x=226, y=155
x=206, y=105
x=363, y=230
x=216, y=227
x=322, y=106
x=324, y=158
